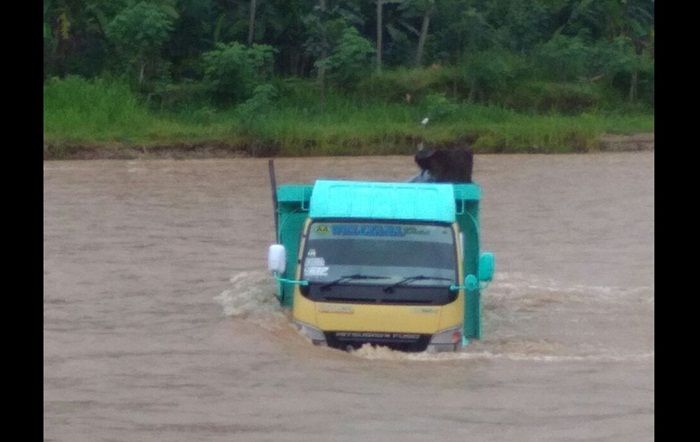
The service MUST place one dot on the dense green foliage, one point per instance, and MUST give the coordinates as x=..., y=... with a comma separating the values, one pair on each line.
x=349, y=60
x=205, y=69
x=231, y=71
x=138, y=34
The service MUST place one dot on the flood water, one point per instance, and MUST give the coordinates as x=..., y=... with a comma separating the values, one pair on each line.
x=160, y=321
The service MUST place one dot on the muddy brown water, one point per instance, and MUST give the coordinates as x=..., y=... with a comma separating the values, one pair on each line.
x=160, y=321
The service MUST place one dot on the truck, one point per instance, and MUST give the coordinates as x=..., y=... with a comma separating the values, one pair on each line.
x=390, y=264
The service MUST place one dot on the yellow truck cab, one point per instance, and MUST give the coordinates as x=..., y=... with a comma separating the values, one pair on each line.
x=391, y=264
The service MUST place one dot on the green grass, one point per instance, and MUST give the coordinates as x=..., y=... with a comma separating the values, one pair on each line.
x=98, y=112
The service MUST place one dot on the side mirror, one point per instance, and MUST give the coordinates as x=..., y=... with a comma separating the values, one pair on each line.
x=277, y=259
x=486, y=264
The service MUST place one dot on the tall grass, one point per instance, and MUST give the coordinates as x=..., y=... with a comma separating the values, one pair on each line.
x=101, y=111
x=80, y=111
x=87, y=110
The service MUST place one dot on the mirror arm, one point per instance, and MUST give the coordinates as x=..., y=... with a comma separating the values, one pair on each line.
x=454, y=287
x=291, y=281
x=471, y=284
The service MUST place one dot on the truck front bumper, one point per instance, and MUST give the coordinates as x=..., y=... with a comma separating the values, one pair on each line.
x=446, y=340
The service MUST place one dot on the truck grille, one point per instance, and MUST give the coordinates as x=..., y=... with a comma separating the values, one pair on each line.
x=410, y=342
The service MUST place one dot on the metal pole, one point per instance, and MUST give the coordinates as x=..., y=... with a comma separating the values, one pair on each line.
x=273, y=184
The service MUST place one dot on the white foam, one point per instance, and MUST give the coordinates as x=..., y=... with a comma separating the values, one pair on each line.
x=252, y=297
x=368, y=351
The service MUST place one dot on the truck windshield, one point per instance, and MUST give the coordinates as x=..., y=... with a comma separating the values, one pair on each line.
x=402, y=256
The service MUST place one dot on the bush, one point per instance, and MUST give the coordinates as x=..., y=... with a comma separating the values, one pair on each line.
x=261, y=101
x=564, y=58
x=350, y=60
x=619, y=62
x=232, y=71
x=296, y=91
x=407, y=85
x=169, y=96
x=612, y=64
x=438, y=106
x=568, y=98
x=488, y=73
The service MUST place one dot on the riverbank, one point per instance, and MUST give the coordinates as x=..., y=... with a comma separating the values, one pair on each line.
x=96, y=119
x=220, y=149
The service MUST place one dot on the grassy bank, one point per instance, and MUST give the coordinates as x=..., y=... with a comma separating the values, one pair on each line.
x=79, y=113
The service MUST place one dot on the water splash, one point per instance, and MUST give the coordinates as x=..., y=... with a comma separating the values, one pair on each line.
x=368, y=351
x=252, y=297
x=524, y=312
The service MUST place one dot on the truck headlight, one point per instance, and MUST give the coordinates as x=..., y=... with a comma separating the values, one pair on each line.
x=315, y=335
x=446, y=340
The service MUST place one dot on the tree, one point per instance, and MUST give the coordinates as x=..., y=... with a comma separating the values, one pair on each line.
x=251, y=28
x=380, y=28
x=233, y=70
x=609, y=42
x=621, y=24
x=74, y=33
x=379, y=35
x=424, y=31
x=139, y=33
x=193, y=34
x=325, y=28
x=324, y=54
x=350, y=58
x=422, y=9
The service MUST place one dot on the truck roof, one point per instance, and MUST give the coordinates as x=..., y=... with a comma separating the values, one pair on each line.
x=387, y=200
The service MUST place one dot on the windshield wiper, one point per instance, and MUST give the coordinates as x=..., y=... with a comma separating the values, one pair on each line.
x=328, y=285
x=390, y=288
